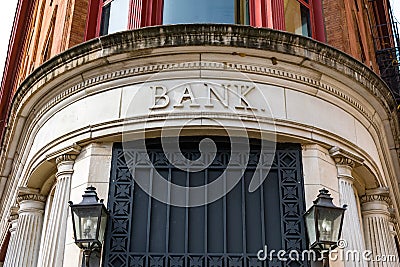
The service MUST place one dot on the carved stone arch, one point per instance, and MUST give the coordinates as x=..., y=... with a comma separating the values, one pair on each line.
x=43, y=177
x=364, y=179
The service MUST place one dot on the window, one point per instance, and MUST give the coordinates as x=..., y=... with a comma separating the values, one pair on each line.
x=114, y=16
x=302, y=17
x=297, y=17
x=206, y=11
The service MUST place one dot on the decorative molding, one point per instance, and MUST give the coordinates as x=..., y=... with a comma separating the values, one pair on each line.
x=343, y=157
x=148, y=69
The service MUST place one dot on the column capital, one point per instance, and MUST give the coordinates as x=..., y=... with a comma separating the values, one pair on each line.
x=376, y=202
x=65, y=157
x=393, y=219
x=377, y=194
x=13, y=214
x=343, y=157
x=65, y=154
x=30, y=201
x=26, y=193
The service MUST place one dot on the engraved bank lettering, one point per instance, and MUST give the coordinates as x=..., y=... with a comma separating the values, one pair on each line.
x=201, y=94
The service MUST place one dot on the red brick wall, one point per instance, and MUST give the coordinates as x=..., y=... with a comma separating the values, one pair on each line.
x=78, y=27
x=336, y=24
x=347, y=28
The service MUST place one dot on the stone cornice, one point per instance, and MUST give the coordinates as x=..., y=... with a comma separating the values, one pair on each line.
x=219, y=35
x=211, y=35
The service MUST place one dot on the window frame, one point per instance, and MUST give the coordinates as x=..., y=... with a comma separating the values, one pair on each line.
x=262, y=13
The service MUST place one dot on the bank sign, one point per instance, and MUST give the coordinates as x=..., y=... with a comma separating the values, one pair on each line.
x=201, y=95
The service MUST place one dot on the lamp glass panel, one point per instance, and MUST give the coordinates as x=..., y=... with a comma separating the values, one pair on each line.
x=329, y=222
x=86, y=219
x=103, y=225
x=310, y=224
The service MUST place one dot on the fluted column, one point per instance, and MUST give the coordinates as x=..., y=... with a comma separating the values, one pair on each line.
x=352, y=228
x=376, y=219
x=29, y=229
x=52, y=251
x=11, y=255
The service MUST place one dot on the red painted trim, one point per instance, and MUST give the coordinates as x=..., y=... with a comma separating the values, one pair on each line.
x=252, y=13
x=131, y=15
x=152, y=11
x=149, y=12
x=135, y=14
x=158, y=14
x=145, y=13
x=92, y=19
x=278, y=17
x=263, y=11
x=319, y=27
x=255, y=10
x=100, y=11
x=269, y=18
x=15, y=46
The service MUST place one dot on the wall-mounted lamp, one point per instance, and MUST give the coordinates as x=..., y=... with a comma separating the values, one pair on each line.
x=324, y=223
x=89, y=220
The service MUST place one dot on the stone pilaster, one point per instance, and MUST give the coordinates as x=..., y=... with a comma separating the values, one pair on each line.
x=11, y=255
x=376, y=217
x=52, y=251
x=352, y=228
x=29, y=228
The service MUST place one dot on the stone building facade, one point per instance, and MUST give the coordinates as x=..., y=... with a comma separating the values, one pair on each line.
x=82, y=106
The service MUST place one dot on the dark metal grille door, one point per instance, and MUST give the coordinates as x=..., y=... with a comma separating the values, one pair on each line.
x=144, y=232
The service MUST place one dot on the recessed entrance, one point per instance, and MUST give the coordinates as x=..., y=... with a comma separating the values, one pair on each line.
x=142, y=231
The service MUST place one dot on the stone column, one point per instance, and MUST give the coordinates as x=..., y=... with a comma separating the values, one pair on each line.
x=352, y=228
x=376, y=219
x=10, y=256
x=52, y=251
x=29, y=229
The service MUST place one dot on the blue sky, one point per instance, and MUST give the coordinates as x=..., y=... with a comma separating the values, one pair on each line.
x=7, y=12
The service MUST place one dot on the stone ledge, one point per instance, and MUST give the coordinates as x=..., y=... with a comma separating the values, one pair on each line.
x=216, y=35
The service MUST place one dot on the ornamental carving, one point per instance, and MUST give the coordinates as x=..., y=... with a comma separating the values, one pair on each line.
x=341, y=160
x=33, y=197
